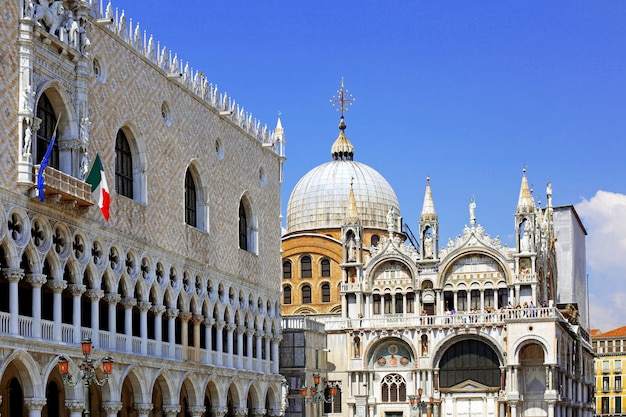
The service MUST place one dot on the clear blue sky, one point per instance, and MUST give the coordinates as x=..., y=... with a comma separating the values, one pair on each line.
x=465, y=92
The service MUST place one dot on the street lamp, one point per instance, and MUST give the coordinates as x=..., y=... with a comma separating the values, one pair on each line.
x=87, y=372
x=316, y=395
x=417, y=403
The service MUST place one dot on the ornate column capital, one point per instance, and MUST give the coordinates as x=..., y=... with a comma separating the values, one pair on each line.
x=219, y=411
x=171, y=313
x=143, y=409
x=34, y=404
x=277, y=340
x=185, y=315
x=219, y=324
x=94, y=295
x=13, y=274
x=77, y=289
x=250, y=332
x=75, y=405
x=128, y=302
x=197, y=319
x=158, y=310
x=241, y=412
x=241, y=329
x=112, y=407
x=144, y=306
x=209, y=321
x=171, y=409
x=196, y=410
x=57, y=285
x=112, y=298
x=36, y=280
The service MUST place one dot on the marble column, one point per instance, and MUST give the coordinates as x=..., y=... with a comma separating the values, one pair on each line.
x=185, y=316
x=259, y=351
x=14, y=276
x=219, y=343
x=144, y=307
x=230, y=329
x=158, y=311
x=172, y=315
x=112, y=299
x=275, y=354
x=36, y=281
x=57, y=287
x=266, y=359
x=208, y=336
x=95, y=296
x=128, y=304
x=77, y=291
x=196, y=320
x=240, y=332
x=249, y=340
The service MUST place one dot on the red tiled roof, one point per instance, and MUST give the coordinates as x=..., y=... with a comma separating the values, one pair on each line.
x=619, y=332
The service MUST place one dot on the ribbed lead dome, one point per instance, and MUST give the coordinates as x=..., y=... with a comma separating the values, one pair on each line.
x=320, y=199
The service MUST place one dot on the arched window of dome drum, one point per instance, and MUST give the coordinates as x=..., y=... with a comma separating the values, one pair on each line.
x=326, y=293
x=123, y=166
x=306, y=294
x=190, y=200
x=243, y=227
x=325, y=267
x=287, y=294
x=374, y=240
x=305, y=267
x=393, y=389
x=45, y=112
x=287, y=270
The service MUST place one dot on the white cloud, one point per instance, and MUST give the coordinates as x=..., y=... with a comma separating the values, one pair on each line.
x=604, y=217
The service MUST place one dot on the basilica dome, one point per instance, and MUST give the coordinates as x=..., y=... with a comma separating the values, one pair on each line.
x=320, y=199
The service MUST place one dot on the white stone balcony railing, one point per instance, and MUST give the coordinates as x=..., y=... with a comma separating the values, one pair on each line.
x=443, y=321
x=120, y=343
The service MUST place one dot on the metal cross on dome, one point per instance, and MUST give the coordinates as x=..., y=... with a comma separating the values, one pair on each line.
x=343, y=98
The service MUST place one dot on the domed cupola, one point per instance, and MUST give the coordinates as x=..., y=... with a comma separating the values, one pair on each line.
x=319, y=199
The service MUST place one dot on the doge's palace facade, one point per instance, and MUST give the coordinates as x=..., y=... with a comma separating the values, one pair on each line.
x=181, y=285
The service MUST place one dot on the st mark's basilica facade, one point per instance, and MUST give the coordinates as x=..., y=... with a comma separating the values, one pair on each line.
x=393, y=323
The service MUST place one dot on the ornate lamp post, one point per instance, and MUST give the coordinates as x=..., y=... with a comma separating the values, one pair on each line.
x=316, y=395
x=87, y=372
x=417, y=403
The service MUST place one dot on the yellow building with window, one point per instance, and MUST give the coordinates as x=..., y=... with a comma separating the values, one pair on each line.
x=610, y=348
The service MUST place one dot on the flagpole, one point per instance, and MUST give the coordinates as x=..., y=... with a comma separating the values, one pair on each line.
x=44, y=161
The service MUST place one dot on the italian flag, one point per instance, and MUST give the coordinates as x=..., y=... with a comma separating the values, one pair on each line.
x=99, y=187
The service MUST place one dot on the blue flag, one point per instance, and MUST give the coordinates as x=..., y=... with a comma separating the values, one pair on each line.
x=44, y=163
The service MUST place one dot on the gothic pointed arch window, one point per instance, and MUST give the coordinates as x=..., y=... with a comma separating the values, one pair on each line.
x=243, y=227
x=124, y=184
x=45, y=112
x=393, y=389
x=190, y=200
